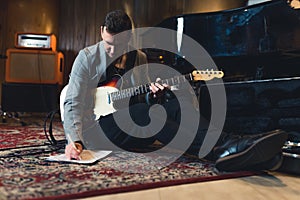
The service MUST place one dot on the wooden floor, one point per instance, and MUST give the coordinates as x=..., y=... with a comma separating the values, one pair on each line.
x=271, y=186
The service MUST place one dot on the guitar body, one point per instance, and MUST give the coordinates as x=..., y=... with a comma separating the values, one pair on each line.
x=62, y=98
x=103, y=103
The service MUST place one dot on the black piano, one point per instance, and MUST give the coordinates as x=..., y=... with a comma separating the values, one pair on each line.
x=258, y=49
x=256, y=42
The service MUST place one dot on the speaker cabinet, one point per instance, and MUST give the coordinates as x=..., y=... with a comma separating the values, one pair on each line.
x=34, y=66
x=17, y=97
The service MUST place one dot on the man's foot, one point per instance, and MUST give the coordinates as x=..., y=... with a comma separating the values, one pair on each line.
x=248, y=151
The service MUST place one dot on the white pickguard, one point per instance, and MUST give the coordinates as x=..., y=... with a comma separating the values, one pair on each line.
x=103, y=104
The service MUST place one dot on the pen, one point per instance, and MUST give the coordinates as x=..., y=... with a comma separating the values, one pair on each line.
x=73, y=143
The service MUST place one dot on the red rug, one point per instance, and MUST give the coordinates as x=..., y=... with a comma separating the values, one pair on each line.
x=20, y=136
x=26, y=175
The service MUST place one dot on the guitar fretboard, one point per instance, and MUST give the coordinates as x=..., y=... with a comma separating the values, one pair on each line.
x=142, y=89
x=196, y=75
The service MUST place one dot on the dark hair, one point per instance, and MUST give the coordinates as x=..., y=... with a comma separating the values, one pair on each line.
x=117, y=21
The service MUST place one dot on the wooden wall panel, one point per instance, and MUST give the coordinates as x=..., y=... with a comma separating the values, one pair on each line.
x=80, y=21
x=31, y=16
x=78, y=25
x=3, y=27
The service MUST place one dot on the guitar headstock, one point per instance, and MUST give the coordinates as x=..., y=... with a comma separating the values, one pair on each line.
x=205, y=75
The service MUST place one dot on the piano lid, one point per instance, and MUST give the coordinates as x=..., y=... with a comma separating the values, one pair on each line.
x=259, y=29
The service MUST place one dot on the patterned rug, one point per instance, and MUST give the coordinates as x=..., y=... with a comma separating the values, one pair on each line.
x=25, y=174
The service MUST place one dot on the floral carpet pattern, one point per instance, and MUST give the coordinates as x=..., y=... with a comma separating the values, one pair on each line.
x=25, y=174
x=18, y=136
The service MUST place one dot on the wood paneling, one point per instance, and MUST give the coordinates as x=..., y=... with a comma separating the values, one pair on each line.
x=33, y=16
x=3, y=25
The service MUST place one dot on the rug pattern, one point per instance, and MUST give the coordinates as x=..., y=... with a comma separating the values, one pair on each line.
x=18, y=136
x=25, y=174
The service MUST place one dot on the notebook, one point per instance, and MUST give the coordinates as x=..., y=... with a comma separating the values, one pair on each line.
x=87, y=157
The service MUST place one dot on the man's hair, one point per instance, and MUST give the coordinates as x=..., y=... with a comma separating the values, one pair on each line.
x=117, y=21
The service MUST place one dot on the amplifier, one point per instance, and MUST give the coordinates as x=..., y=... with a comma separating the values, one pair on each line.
x=35, y=41
x=34, y=66
x=28, y=97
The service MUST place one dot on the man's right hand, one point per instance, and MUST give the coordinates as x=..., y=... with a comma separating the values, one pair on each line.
x=73, y=153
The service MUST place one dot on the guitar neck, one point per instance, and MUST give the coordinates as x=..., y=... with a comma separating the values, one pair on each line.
x=142, y=89
x=196, y=75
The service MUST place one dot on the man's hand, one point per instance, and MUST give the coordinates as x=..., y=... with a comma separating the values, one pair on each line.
x=157, y=89
x=73, y=151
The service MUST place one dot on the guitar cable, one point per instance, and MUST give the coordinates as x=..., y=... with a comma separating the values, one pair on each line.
x=49, y=134
x=52, y=144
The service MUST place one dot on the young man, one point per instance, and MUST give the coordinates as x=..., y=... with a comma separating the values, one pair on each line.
x=99, y=64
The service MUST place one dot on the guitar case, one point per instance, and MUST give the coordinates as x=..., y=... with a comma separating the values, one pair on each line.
x=291, y=154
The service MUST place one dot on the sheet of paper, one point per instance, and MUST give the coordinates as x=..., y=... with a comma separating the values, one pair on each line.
x=87, y=157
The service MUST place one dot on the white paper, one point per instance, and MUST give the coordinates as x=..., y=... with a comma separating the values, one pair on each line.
x=87, y=157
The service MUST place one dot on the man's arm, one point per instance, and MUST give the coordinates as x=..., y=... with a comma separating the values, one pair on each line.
x=74, y=106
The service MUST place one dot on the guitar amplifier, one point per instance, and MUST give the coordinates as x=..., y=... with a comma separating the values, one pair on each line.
x=28, y=97
x=34, y=66
x=35, y=41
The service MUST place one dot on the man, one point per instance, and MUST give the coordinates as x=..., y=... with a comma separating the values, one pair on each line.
x=99, y=64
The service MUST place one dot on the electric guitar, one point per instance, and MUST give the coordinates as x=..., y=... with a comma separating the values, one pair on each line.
x=106, y=95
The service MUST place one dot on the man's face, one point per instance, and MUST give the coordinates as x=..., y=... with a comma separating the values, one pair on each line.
x=114, y=44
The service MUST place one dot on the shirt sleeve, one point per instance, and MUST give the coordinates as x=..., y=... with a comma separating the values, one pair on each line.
x=74, y=100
